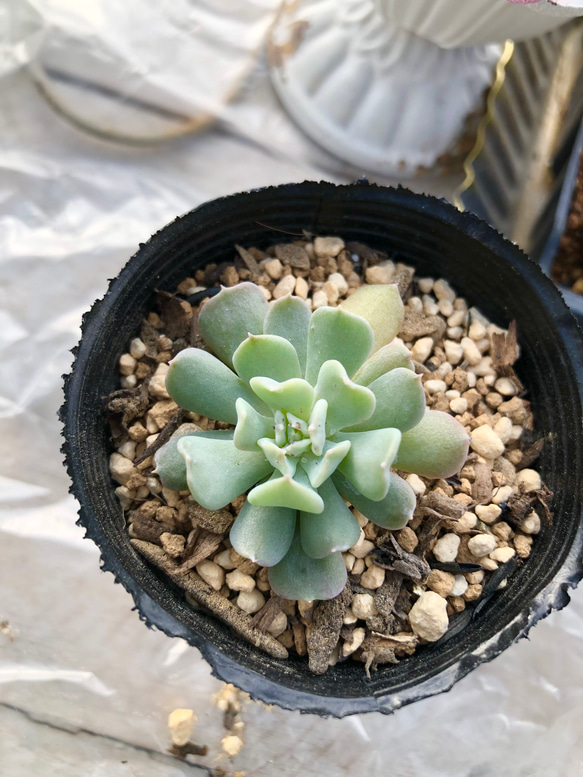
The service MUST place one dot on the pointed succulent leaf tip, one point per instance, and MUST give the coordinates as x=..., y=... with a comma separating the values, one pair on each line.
x=251, y=426
x=277, y=458
x=382, y=307
x=263, y=534
x=289, y=317
x=217, y=471
x=400, y=402
x=298, y=576
x=348, y=404
x=436, y=448
x=368, y=462
x=267, y=356
x=285, y=491
x=337, y=334
x=227, y=319
x=393, y=512
x=170, y=465
x=200, y=383
x=295, y=395
x=297, y=448
x=297, y=423
x=334, y=529
x=319, y=468
x=279, y=427
x=388, y=358
x=317, y=426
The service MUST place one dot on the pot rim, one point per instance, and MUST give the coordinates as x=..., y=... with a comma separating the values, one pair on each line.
x=554, y=596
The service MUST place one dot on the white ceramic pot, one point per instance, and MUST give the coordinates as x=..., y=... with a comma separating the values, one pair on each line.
x=453, y=23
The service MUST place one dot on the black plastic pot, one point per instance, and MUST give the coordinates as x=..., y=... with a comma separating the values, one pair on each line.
x=432, y=235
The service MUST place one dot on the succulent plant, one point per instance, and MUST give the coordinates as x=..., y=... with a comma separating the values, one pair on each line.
x=323, y=404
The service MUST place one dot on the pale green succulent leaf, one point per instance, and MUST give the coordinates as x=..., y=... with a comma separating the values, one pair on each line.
x=279, y=426
x=436, y=448
x=393, y=512
x=368, y=462
x=285, y=491
x=348, y=404
x=251, y=426
x=217, y=471
x=277, y=458
x=387, y=358
x=267, y=356
x=297, y=423
x=337, y=334
x=400, y=401
x=295, y=395
x=319, y=468
x=317, y=426
x=382, y=307
x=289, y=317
x=170, y=465
x=334, y=529
x=296, y=449
x=298, y=576
x=263, y=534
x=227, y=319
x=200, y=383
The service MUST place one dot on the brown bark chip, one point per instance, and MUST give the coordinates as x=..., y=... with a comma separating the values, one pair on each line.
x=129, y=403
x=176, y=314
x=204, y=595
x=322, y=636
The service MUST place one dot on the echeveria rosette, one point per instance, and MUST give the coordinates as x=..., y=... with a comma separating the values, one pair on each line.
x=323, y=406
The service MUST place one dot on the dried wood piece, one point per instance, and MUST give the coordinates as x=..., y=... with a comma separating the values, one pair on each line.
x=217, y=604
x=322, y=636
x=482, y=487
x=181, y=751
x=390, y=555
x=149, y=336
x=129, y=403
x=263, y=619
x=442, y=504
x=504, y=351
x=206, y=543
x=176, y=313
x=365, y=253
x=294, y=255
x=249, y=261
x=217, y=521
x=299, y=632
x=143, y=527
x=163, y=437
x=531, y=454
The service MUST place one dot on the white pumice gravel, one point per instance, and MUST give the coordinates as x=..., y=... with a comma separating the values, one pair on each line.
x=363, y=606
x=285, y=286
x=211, y=573
x=502, y=555
x=481, y=544
x=416, y=484
x=446, y=547
x=486, y=442
x=250, y=601
x=428, y=616
x=488, y=513
x=531, y=524
x=358, y=636
x=278, y=624
x=528, y=480
x=422, y=349
x=460, y=586
x=181, y=724
x=373, y=577
x=238, y=581
x=502, y=494
x=319, y=299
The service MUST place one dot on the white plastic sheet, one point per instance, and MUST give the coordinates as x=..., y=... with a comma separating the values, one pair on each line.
x=85, y=688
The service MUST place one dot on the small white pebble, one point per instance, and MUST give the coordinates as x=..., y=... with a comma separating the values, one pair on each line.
x=120, y=468
x=488, y=563
x=452, y=394
x=502, y=555
x=516, y=433
x=127, y=364
x=466, y=523
x=302, y=288
x=125, y=497
x=428, y=616
x=137, y=348
x=331, y=291
x=471, y=380
x=224, y=560
x=443, y=290
x=416, y=484
x=528, y=480
x=444, y=369
x=181, y=724
x=274, y=268
x=238, y=581
x=143, y=492
x=250, y=601
x=362, y=548
x=481, y=544
x=503, y=429
x=455, y=332
x=471, y=352
x=128, y=449
x=363, y=606
x=483, y=368
x=129, y=381
x=486, y=442
x=378, y=274
x=231, y=744
x=357, y=639
x=445, y=308
x=373, y=577
x=358, y=567
x=460, y=586
x=433, y=386
x=457, y=318
x=349, y=618
x=211, y=573
x=505, y=387
x=328, y=246
x=483, y=345
x=319, y=299
x=458, y=406
x=477, y=330
x=453, y=351
x=446, y=547
x=502, y=494
x=430, y=306
x=349, y=560
x=278, y=624
x=530, y=525
x=157, y=384
x=488, y=513
x=285, y=286
x=415, y=304
x=425, y=285
x=340, y=282
x=266, y=292
x=422, y=349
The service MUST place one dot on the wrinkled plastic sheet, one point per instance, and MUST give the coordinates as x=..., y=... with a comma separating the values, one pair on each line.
x=85, y=688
